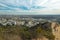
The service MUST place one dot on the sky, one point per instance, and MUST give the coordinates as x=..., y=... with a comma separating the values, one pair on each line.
x=29, y=7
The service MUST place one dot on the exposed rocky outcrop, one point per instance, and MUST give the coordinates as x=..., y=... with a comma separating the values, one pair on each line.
x=56, y=30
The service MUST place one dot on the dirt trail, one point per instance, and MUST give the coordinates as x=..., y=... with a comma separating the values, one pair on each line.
x=56, y=30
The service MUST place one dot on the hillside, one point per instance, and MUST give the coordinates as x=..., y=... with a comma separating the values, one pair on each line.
x=56, y=30
x=42, y=31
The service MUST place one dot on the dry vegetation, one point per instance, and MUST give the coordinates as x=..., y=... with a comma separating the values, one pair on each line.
x=25, y=33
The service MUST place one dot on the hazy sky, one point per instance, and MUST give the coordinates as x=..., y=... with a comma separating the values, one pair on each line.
x=29, y=7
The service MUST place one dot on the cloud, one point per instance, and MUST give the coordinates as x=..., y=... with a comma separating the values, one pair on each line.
x=21, y=4
x=41, y=6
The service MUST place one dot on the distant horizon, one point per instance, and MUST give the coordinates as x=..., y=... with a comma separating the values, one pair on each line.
x=10, y=12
